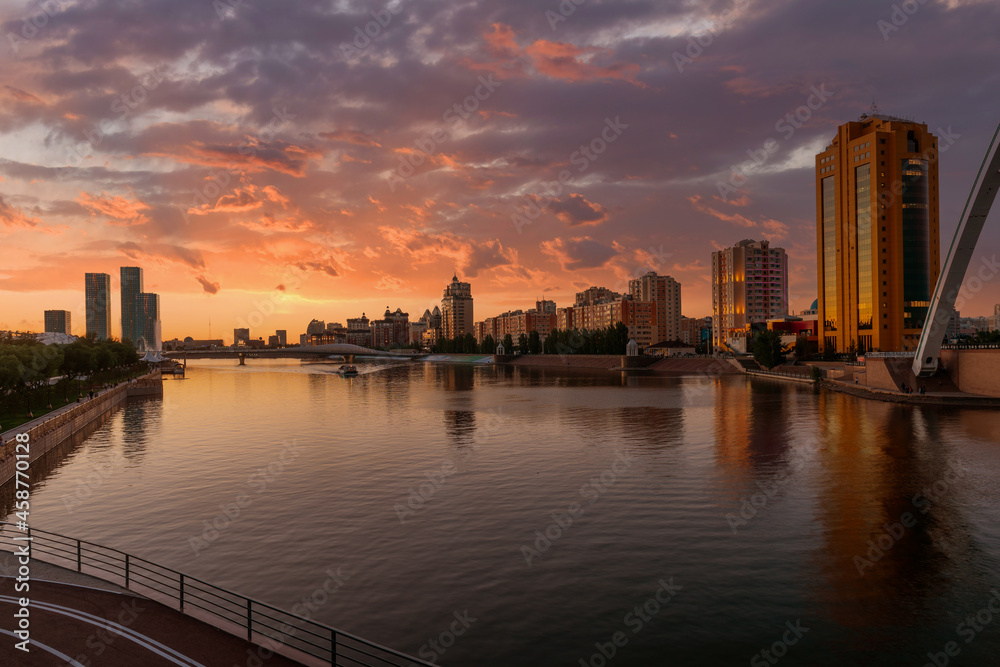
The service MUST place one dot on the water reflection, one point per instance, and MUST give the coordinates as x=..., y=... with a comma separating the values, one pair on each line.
x=880, y=553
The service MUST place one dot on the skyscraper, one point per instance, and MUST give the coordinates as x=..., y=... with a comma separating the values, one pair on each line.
x=133, y=326
x=749, y=286
x=878, y=242
x=665, y=292
x=456, y=309
x=149, y=320
x=58, y=321
x=97, y=300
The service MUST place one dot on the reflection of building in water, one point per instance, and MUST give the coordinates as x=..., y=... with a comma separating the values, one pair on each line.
x=460, y=425
x=456, y=377
x=139, y=412
x=651, y=428
x=751, y=425
x=877, y=458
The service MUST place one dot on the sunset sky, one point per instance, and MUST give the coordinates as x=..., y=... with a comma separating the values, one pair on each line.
x=253, y=152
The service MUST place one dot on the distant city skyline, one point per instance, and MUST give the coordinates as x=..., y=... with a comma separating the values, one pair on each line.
x=583, y=152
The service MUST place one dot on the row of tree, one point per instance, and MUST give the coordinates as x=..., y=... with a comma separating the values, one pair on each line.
x=610, y=340
x=27, y=366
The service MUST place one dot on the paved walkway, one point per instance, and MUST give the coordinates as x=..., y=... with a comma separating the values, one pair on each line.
x=27, y=426
x=82, y=621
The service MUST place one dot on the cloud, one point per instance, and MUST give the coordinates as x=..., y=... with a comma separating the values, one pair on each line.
x=351, y=137
x=207, y=285
x=575, y=211
x=12, y=216
x=120, y=210
x=578, y=253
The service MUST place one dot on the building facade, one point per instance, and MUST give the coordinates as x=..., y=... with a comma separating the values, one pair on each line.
x=359, y=331
x=749, y=286
x=878, y=235
x=97, y=301
x=133, y=327
x=456, y=309
x=665, y=292
x=149, y=318
x=241, y=336
x=58, y=321
x=282, y=335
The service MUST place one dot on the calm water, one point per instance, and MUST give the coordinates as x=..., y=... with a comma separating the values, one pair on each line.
x=654, y=465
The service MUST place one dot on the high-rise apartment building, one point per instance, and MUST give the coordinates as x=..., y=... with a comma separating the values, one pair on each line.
x=665, y=292
x=58, y=321
x=97, y=301
x=996, y=317
x=149, y=321
x=749, y=286
x=133, y=327
x=456, y=309
x=878, y=237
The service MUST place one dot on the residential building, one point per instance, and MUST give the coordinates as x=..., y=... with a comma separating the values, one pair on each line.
x=133, y=327
x=97, y=300
x=282, y=336
x=665, y=292
x=878, y=235
x=542, y=318
x=393, y=330
x=696, y=331
x=241, y=337
x=456, y=309
x=996, y=317
x=58, y=321
x=749, y=286
x=315, y=327
x=148, y=312
x=593, y=295
x=359, y=331
x=272, y=341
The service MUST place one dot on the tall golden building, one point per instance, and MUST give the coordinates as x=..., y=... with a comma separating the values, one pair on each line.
x=877, y=233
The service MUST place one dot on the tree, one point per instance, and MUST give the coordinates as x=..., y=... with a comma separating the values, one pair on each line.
x=489, y=345
x=534, y=342
x=522, y=344
x=508, y=344
x=767, y=349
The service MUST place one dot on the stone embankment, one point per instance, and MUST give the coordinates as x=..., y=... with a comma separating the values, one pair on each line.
x=51, y=429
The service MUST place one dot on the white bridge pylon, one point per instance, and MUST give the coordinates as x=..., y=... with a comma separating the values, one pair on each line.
x=977, y=208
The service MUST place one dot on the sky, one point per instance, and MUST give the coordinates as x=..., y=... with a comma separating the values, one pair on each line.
x=268, y=163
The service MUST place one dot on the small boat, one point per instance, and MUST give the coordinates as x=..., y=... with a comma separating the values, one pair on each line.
x=348, y=370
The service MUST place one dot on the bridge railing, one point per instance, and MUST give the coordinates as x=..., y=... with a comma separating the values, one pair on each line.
x=259, y=622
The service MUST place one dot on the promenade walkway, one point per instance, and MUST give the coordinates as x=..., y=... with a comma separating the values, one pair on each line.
x=80, y=621
x=37, y=421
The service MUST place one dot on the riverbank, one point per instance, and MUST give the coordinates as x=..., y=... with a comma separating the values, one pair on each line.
x=701, y=366
x=47, y=431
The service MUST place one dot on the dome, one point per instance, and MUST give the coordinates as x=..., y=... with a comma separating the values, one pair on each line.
x=815, y=305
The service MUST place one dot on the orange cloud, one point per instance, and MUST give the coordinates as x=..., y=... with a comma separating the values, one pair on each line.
x=12, y=216
x=120, y=209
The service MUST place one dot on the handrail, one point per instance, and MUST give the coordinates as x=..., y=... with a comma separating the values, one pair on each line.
x=184, y=588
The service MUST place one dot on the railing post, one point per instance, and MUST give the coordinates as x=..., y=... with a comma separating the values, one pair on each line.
x=182, y=591
x=333, y=646
x=79, y=557
x=126, y=571
x=249, y=619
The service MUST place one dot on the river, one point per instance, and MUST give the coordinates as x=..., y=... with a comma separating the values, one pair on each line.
x=565, y=517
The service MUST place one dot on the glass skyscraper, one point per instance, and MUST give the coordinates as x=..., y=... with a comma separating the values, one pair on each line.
x=878, y=236
x=133, y=327
x=97, y=299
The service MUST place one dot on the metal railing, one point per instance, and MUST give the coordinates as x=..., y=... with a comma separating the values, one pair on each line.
x=257, y=621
